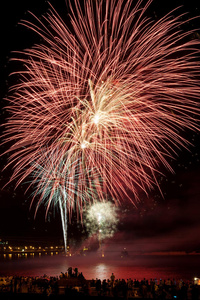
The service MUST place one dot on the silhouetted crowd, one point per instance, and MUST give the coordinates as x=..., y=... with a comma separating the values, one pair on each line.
x=146, y=289
x=73, y=281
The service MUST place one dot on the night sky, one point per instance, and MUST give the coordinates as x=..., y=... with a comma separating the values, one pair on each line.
x=170, y=222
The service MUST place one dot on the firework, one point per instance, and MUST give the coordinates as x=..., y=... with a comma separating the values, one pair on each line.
x=52, y=180
x=101, y=219
x=110, y=96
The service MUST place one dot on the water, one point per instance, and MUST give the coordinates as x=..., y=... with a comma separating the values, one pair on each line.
x=139, y=267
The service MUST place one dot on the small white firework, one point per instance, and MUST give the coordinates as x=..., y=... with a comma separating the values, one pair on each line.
x=101, y=219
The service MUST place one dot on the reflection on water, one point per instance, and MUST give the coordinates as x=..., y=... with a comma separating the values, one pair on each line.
x=102, y=270
x=52, y=264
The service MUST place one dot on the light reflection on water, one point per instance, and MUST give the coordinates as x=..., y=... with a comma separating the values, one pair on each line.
x=102, y=270
x=139, y=267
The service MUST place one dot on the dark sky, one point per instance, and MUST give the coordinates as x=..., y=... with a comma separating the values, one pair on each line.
x=171, y=222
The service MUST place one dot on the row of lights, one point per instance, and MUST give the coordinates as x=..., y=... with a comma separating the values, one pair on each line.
x=30, y=247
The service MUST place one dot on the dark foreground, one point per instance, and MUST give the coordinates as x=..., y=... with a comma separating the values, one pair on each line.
x=8, y=296
x=77, y=296
x=73, y=285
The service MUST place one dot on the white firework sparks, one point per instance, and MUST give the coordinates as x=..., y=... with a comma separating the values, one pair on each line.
x=101, y=219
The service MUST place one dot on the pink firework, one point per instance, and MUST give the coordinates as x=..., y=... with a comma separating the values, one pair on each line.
x=109, y=96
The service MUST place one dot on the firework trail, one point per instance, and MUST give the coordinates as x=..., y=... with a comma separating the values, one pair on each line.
x=52, y=180
x=109, y=94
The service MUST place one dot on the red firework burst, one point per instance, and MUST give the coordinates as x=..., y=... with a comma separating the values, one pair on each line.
x=109, y=97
